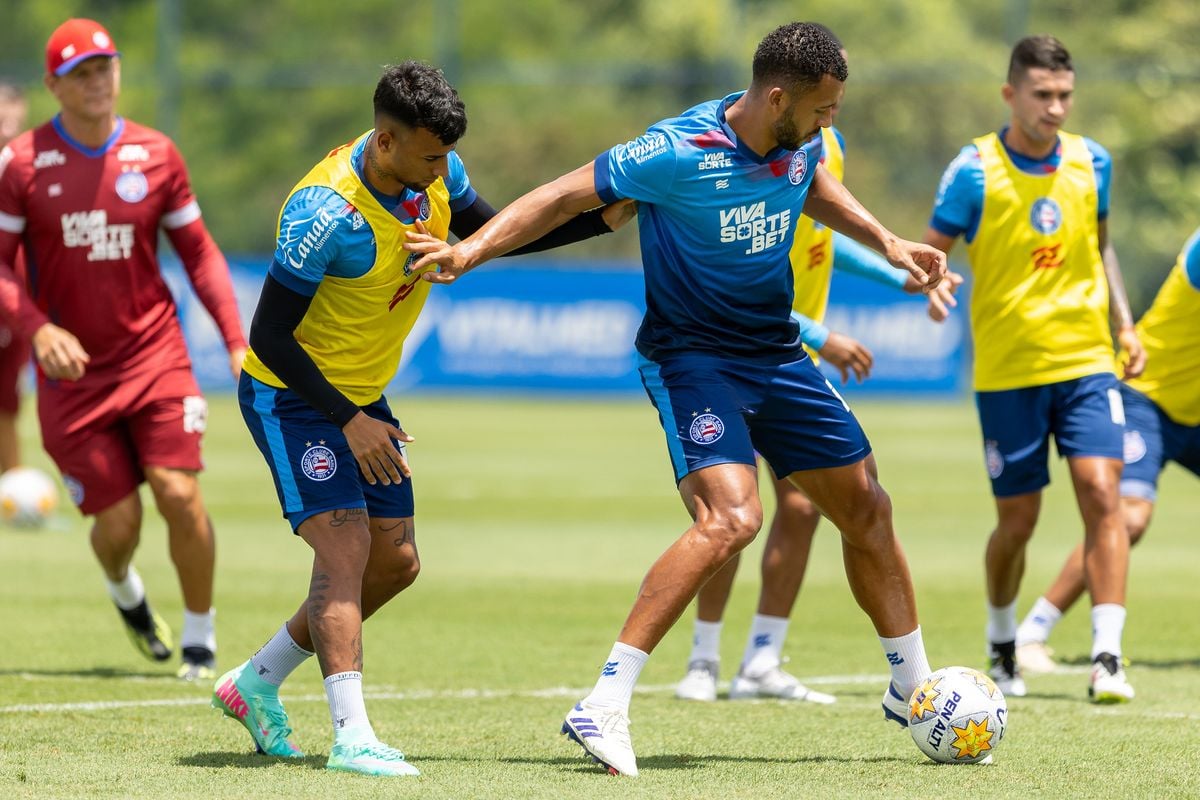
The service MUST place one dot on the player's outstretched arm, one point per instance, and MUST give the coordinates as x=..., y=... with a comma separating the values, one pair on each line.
x=1118, y=309
x=830, y=203
x=528, y=218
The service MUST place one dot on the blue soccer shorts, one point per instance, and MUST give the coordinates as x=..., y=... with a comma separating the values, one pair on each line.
x=310, y=460
x=720, y=411
x=1085, y=415
x=1152, y=439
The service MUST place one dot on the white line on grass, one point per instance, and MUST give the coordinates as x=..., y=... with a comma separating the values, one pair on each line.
x=493, y=694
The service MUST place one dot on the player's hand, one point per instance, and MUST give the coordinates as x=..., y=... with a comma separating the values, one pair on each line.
x=372, y=442
x=1134, y=362
x=617, y=214
x=236, y=356
x=59, y=353
x=440, y=262
x=942, y=299
x=925, y=263
x=848, y=355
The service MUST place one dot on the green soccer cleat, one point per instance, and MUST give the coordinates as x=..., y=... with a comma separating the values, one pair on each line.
x=149, y=634
x=241, y=695
x=370, y=757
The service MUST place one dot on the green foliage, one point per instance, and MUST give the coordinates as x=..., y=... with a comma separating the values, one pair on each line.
x=256, y=92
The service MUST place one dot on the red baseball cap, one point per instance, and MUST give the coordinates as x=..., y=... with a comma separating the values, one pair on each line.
x=74, y=41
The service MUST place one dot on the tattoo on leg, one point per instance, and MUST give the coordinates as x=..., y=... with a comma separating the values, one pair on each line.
x=405, y=534
x=356, y=652
x=347, y=516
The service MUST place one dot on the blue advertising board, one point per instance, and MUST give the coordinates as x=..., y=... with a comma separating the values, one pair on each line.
x=532, y=326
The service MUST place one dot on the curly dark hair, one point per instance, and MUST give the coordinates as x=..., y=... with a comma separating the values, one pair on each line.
x=796, y=56
x=1034, y=52
x=419, y=95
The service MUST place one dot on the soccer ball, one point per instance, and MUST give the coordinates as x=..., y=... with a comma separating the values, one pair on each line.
x=957, y=716
x=27, y=497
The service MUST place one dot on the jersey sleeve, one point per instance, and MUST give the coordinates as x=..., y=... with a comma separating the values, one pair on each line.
x=1102, y=164
x=1191, y=260
x=812, y=333
x=12, y=198
x=462, y=194
x=959, y=203
x=857, y=259
x=179, y=207
x=642, y=169
x=307, y=246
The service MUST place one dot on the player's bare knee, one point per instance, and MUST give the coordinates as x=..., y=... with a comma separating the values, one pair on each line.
x=868, y=516
x=176, y=494
x=731, y=528
x=1098, y=498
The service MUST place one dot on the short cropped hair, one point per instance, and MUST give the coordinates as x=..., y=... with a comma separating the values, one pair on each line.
x=419, y=96
x=796, y=56
x=1037, y=52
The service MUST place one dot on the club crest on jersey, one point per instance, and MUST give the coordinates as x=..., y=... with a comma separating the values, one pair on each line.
x=798, y=168
x=1135, y=447
x=319, y=463
x=132, y=186
x=1045, y=216
x=706, y=429
x=74, y=489
x=993, y=458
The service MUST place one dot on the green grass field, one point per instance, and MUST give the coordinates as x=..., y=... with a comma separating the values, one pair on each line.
x=536, y=522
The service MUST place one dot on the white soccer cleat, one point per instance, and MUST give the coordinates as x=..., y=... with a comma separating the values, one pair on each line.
x=1035, y=658
x=1004, y=670
x=895, y=706
x=1109, y=684
x=603, y=733
x=778, y=684
x=700, y=682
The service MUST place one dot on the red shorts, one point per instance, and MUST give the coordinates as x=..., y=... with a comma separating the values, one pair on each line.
x=102, y=436
x=14, y=357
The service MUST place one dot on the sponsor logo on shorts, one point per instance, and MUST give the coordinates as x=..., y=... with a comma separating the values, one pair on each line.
x=1135, y=447
x=319, y=463
x=798, y=168
x=995, y=461
x=1045, y=216
x=132, y=186
x=74, y=489
x=706, y=429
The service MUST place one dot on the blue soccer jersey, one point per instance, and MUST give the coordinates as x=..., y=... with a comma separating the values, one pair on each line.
x=959, y=204
x=313, y=241
x=716, y=223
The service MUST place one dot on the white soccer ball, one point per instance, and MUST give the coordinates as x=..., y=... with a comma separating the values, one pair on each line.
x=27, y=497
x=957, y=716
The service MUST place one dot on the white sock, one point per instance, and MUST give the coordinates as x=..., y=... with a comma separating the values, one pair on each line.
x=199, y=630
x=619, y=675
x=1038, y=623
x=706, y=641
x=1108, y=623
x=129, y=593
x=906, y=656
x=764, y=646
x=1002, y=623
x=276, y=659
x=347, y=708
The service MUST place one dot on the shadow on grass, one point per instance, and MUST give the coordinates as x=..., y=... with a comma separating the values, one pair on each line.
x=244, y=760
x=98, y=673
x=689, y=761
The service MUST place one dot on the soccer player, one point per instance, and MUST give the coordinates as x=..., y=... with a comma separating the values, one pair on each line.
x=14, y=348
x=86, y=195
x=816, y=252
x=1162, y=424
x=1031, y=201
x=719, y=189
x=338, y=301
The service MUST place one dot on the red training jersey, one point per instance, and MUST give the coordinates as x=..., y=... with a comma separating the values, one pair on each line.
x=89, y=221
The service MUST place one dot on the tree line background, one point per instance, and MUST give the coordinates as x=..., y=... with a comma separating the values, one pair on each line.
x=255, y=93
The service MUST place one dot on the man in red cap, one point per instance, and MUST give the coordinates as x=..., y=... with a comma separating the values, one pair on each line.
x=86, y=194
